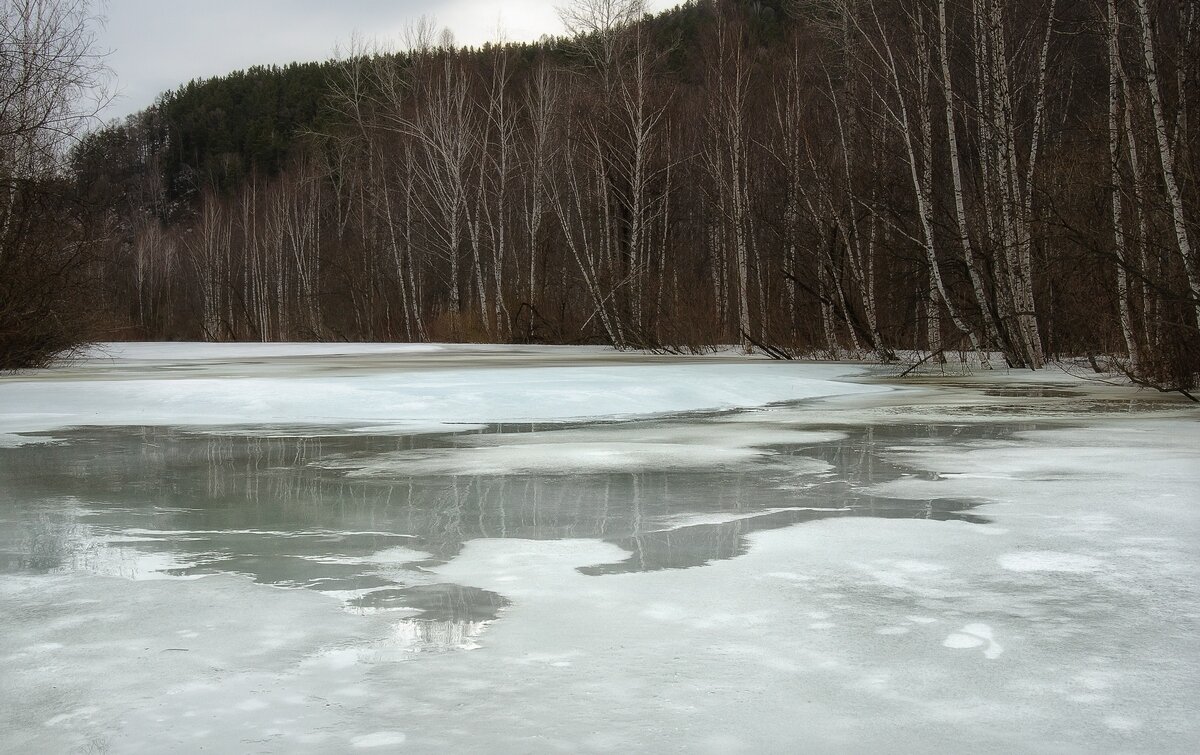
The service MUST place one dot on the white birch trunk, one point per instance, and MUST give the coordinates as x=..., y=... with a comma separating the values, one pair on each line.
x=960, y=212
x=1167, y=157
x=1114, y=152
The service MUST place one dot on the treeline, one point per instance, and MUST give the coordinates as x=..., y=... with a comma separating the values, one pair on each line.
x=811, y=177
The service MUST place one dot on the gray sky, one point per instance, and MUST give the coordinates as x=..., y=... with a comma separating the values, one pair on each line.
x=159, y=44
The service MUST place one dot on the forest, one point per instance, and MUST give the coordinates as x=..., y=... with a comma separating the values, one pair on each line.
x=835, y=179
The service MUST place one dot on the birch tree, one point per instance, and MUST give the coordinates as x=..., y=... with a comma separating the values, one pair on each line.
x=445, y=125
x=540, y=152
x=1166, y=155
x=917, y=141
x=209, y=251
x=1114, y=153
x=726, y=161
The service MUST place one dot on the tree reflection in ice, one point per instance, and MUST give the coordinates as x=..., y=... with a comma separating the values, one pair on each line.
x=178, y=503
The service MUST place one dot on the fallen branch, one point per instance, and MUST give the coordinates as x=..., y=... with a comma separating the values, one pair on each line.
x=1144, y=383
x=923, y=361
x=771, y=351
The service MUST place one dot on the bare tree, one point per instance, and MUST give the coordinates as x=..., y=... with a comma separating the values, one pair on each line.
x=595, y=27
x=1114, y=152
x=623, y=128
x=210, y=255
x=500, y=164
x=52, y=79
x=918, y=148
x=960, y=213
x=726, y=160
x=541, y=151
x=1166, y=153
x=445, y=126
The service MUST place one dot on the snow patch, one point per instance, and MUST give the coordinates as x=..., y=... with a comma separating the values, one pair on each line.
x=1049, y=561
x=973, y=636
x=379, y=739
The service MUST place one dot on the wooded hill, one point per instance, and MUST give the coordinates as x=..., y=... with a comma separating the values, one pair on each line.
x=807, y=176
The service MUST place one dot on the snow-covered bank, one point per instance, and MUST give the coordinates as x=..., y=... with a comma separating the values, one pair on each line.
x=989, y=564
x=406, y=388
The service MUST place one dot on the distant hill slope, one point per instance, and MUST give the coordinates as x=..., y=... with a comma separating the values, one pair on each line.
x=217, y=131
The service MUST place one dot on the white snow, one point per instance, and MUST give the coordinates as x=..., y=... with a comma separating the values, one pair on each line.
x=1049, y=561
x=973, y=636
x=378, y=739
x=425, y=388
x=1065, y=622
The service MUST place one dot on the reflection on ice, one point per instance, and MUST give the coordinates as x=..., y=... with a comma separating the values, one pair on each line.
x=171, y=503
x=547, y=459
x=49, y=542
x=284, y=511
x=450, y=617
x=424, y=636
x=438, y=602
x=60, y=542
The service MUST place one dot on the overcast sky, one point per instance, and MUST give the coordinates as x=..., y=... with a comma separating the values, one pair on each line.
x=159, y=44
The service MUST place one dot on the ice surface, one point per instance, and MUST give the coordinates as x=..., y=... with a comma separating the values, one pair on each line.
x=985, y=565
x=551, y=458
x=223, y=352
x=411, y=389
x=624, y=447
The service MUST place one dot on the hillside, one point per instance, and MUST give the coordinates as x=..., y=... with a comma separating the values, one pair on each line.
x=218, y=131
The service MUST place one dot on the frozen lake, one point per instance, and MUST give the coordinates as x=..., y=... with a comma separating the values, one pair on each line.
x=263, y=548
